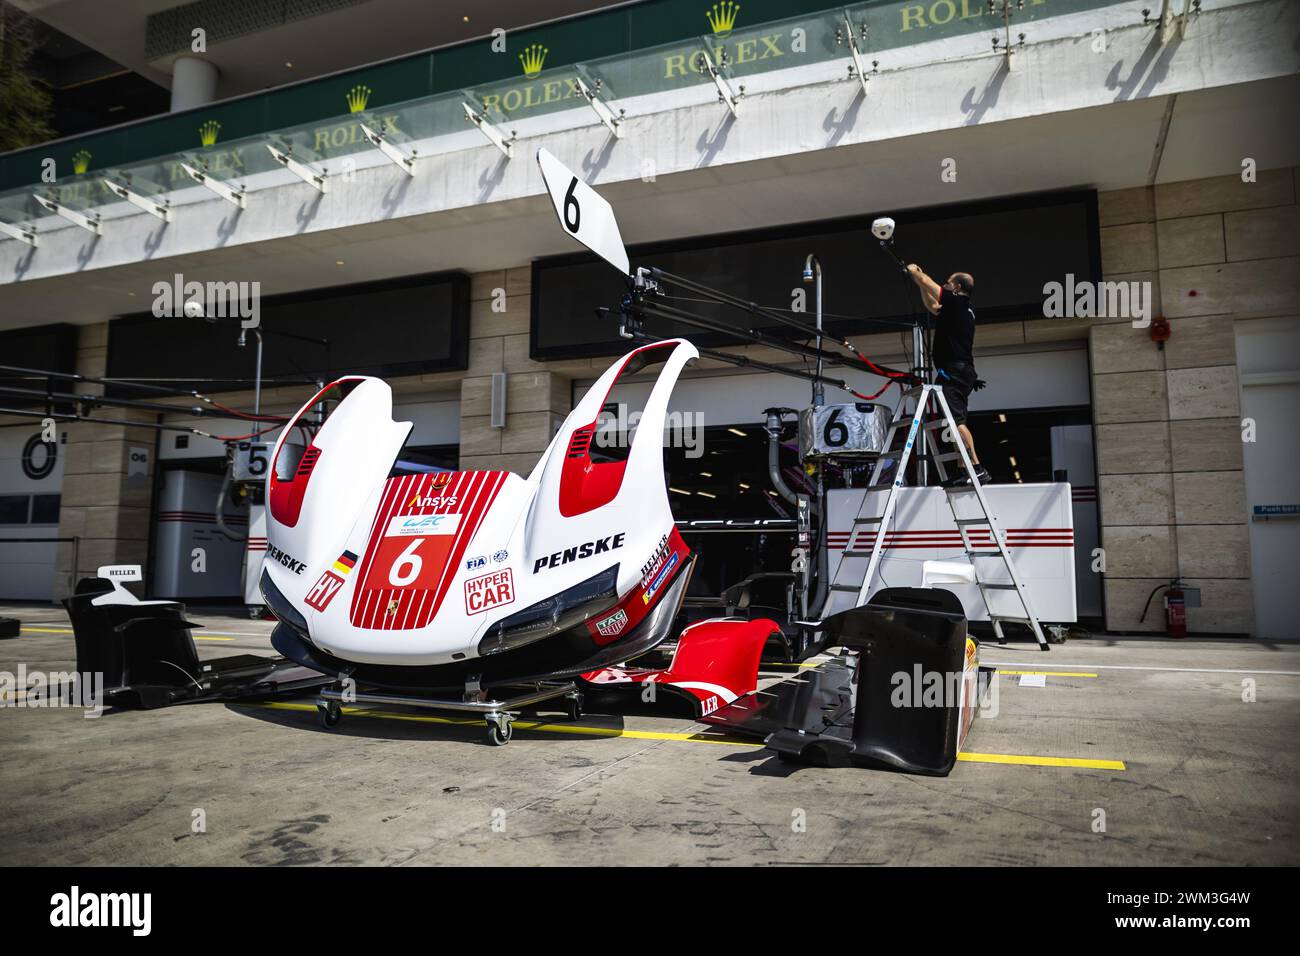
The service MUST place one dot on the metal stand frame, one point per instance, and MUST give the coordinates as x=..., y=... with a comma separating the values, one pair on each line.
x=498, y=714
x=878, y=525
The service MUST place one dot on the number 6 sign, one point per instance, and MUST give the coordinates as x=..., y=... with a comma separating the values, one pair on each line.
x=584, y=214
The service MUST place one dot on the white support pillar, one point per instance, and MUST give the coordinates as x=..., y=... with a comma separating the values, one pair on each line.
x=194, y=82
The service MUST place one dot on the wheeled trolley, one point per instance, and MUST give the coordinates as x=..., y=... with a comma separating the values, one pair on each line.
x=498, y=714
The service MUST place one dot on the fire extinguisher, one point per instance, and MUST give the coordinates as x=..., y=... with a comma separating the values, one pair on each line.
x=1175, y=611
x=1175, y=608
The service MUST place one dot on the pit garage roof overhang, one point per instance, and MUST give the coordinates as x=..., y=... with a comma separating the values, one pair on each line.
x=1138, y=114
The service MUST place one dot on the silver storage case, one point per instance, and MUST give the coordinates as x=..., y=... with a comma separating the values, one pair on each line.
x=856, y=429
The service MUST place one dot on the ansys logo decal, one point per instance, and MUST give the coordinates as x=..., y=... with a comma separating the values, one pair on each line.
x=533, y=59
x=358, y=97
x=722, y=18
x=208, y=132
x=80, y=161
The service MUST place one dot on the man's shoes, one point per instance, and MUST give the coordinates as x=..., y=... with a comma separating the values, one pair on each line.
x=963, y=479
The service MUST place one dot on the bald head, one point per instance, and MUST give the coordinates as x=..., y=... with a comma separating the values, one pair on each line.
x=961, y=282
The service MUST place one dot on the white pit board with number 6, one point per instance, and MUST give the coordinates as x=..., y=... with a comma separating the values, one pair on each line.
x=583, y=213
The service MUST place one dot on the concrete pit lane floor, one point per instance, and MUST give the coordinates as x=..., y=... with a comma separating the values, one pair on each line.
x=1133, y=751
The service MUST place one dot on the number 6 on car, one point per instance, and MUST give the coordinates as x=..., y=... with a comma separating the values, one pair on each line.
x=583, y=213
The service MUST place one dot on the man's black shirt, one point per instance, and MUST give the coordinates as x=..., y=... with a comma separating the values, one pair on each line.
x=954, y=333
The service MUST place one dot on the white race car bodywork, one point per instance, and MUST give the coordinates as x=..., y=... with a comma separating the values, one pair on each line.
x=431, y=569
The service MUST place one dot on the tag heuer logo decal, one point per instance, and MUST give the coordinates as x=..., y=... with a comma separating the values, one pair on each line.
x=613, y=625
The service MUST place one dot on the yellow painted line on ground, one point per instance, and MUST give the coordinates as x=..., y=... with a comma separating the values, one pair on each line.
x=1035, y=761
x=767, y=664
x=1011, y=759
x=68, y=630
x=524, y=725
x=1048, y=673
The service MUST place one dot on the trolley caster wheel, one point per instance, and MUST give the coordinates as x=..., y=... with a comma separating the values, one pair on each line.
x=575, y=708
x=499, y=732
x=330, y=714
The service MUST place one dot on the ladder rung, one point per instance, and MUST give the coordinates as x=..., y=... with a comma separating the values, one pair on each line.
x=985, y=554
x=965, y=521
x=948, y=456
x=875, y=520
x=855, y=588
x=995, y=586
x=856, y=554
x=1013, y=620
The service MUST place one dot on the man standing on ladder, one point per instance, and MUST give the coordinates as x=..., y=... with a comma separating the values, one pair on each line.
x=954, y=339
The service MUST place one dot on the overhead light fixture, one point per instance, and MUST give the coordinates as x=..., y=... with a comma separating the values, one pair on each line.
x=338, y=262
x=706, y=474
x=1012, y=459
x=743, y=486
x=288, y=65
x=737, y=431
x=1016, y=475
x=464, y=19
x=678, y=490
x=705, y=494
x=1002, y=417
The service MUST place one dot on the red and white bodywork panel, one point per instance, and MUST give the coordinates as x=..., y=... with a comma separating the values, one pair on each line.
x=413, y=570
x=1037, y=520
x=715, y=663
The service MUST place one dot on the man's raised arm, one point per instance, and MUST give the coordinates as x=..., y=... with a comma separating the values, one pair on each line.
x=930, y=289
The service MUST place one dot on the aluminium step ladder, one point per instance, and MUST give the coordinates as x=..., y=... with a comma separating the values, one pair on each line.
x=846, y=583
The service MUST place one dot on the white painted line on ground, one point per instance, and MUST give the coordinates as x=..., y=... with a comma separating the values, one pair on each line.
x=1139, y=667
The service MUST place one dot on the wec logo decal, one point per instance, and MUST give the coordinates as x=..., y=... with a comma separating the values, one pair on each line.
x=578, y=552
x=489, y=591
x=413, y=525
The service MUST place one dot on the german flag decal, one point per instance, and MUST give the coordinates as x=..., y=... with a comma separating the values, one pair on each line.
x=331, y=582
